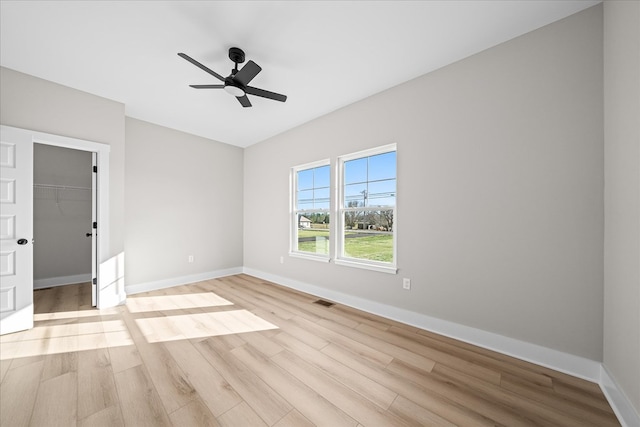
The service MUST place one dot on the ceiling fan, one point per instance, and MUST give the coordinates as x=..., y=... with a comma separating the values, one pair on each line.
x=237, y=83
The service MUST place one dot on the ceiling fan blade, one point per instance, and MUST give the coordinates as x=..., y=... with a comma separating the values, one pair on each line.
x=203, y=67
x=247, y=73
x=244, y=101
x=207, y=86
x=265, y=94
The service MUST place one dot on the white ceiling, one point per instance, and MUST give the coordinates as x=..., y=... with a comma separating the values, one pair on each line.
x=322, y=54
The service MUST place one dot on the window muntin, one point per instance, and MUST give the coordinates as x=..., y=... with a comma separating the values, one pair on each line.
x=311, y=209
x=367, y=209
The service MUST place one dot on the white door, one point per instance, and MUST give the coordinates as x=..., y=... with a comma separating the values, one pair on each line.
x=16, y=217
x=94, y=234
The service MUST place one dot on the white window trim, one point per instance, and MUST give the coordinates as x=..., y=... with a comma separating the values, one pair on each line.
x=293, y=214
x=338, y=244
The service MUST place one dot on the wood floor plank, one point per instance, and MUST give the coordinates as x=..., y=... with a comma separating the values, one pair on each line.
x=293, y=329
x=414, y=414
x=479, y=357
x=108, y=417
x=381, y=396
x=124, y=357
x=139, y=400
x=18, y=394
x=578, y=410
x=335, y=337
x=301, y=305
x=96, y=384
x=211, y=387
x=59, y=364
x=376, y=343
x=353, y=404
x=169, y=380
x=411, y=345
x=262, y=398
x=592, y=398
x=194, y=414
x=422, y=396
x=267, y=345
x=464, y=395
x=4, y=367
x=56, y=403
x=310, y=404
x=294, y=419
x=240, y=416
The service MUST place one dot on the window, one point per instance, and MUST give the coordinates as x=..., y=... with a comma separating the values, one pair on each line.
x=364, y=209
x=311, y=200
x=367, y=209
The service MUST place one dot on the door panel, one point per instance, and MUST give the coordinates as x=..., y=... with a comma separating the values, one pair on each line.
x=94, y=232
x=16, y=232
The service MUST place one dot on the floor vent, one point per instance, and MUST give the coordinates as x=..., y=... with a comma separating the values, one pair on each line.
x=324, y=303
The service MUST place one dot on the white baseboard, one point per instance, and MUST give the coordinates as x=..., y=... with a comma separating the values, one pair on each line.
x=619, y=402
x=570, y=364
x=182, y=280
x=61, y=281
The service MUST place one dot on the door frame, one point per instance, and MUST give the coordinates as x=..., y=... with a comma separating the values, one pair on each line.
x=102, y=187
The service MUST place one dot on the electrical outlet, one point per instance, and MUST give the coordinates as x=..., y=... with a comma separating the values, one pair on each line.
x=281, y=260
x=406, y=283
x=190, y=258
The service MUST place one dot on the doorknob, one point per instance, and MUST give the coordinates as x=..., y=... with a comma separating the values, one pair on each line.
x=23, y=241
x=88, y=234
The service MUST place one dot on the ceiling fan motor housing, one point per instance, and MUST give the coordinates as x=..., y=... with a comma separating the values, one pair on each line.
x=236, y=55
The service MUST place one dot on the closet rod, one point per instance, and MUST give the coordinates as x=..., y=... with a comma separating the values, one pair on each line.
x=60, y=187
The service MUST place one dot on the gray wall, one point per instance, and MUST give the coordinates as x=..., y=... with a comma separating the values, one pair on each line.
x=31, y=103
x=183, y=197
x=500, y=189
x=622, y=195
x=61, y=221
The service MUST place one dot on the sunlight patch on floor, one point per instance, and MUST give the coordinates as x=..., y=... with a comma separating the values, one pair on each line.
x=201, y=325
x=175, y=302
x=73, y=314
x=64, y=344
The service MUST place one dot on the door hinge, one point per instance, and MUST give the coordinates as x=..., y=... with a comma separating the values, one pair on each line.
x=95, y=281
x=95, y=225
x=95, y=169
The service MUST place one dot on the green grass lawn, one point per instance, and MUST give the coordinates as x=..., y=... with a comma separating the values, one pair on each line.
x=313, y=233
x=375, y=248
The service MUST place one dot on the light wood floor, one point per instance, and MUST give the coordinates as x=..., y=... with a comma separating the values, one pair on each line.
x=239, y=351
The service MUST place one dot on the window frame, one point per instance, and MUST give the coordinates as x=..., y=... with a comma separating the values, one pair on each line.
x=339, y=214
x=295, y=211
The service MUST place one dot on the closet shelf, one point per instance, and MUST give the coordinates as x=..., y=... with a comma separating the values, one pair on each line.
x=60, y=187
x=61, y=192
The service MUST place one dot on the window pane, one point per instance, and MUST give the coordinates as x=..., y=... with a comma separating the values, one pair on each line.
x=313, y=233
x=305, y=199
x=355, y=195
x=321, y=177
x=305, y=179
x=355, y=171
x=313, y=188
x=368, y=235
x=382, y=193
x=382, y=166
x=321, y=198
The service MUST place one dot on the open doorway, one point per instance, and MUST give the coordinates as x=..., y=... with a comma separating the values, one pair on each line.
x=63, y=212
x=16, y=224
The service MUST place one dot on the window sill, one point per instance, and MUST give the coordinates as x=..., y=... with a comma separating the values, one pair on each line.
x=317, y=258
x=367, y=266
